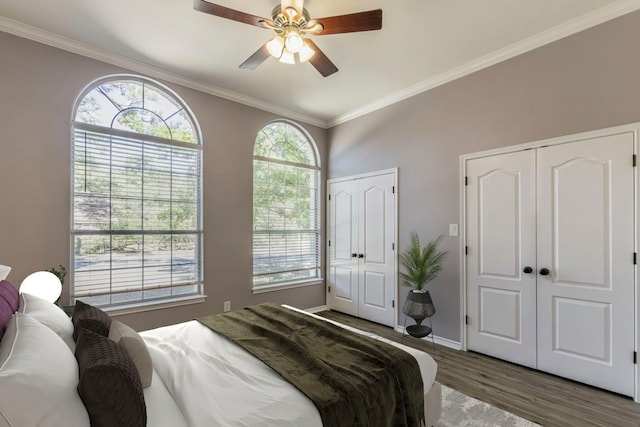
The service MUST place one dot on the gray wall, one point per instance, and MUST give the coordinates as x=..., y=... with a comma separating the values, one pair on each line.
x=38, y=86
x=588, y=81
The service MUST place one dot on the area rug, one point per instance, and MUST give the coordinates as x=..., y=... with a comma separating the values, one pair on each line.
x=461, y=410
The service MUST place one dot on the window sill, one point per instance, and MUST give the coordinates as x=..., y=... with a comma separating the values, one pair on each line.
x=285, y=286
x=142, y=307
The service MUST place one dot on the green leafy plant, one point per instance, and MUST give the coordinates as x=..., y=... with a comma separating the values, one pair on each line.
x=421, y=264
x=60, y=272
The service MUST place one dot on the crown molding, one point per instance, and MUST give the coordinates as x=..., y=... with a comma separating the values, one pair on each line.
x=83, y=49
x=558, y=32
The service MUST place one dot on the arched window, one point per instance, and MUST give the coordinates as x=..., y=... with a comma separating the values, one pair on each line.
x=286, y=208
x=137, y=214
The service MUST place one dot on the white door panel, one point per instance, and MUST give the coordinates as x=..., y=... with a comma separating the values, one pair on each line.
x=343, y=284
x=506, y=326
x=377, y=234
x=594, y=317
x=501, y=299
x=373, y=223
x=344, y=226
x=362, y=265
x=586, y=240
x=499, y=223
x=375, y=287
x=343, y=238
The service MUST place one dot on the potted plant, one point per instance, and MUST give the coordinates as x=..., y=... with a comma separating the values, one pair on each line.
x=60, y=273
x=421, y=265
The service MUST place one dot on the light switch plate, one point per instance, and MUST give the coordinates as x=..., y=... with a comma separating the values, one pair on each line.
x=453, y=229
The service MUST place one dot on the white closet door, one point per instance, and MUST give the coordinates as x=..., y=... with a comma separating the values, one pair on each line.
x=501, y=297
x=586, y=241
x=361, y=260
x=343, y=249
x=376, y=236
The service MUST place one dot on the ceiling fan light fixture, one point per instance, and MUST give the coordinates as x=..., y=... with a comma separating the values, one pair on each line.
x=293, y=42
x=275, y=46
x=291, y=22
x=305, y=53
x=287, y=57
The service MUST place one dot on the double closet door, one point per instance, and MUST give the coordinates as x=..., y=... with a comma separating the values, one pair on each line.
x=361, y=274
x=550, y=259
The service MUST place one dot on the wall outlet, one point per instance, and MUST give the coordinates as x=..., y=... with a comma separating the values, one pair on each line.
x=227, y=306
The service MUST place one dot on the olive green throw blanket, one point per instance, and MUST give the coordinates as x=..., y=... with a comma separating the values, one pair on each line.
x=352, y=379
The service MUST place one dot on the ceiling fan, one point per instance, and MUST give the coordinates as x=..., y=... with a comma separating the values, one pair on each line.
x=291, y=22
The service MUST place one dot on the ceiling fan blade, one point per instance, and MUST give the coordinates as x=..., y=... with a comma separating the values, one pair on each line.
x=225, y=12
x=351, y=23
x=256, y=59
x=320, y=61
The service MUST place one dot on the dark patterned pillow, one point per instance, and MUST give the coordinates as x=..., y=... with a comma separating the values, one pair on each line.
x=86, y=316
x=8, y=304
x=109, y=384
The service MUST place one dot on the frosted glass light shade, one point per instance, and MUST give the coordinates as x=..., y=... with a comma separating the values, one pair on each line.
x=293, y=42
x=305, y=53
x=42, y=284
x=275, y=46
x=287, y=57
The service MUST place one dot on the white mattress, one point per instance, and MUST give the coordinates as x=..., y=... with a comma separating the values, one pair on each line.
x=215, y=382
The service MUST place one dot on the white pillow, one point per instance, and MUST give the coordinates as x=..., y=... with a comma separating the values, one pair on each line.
x=39, y=376
x=4, y=271
x=49, y=315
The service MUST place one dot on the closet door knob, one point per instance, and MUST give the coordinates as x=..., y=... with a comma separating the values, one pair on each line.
x=527, y=270
x=354, y=255
x=360, y=255
x=544, y=271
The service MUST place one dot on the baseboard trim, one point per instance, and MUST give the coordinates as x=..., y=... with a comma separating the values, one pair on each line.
x=317, y=309
x=438, y=340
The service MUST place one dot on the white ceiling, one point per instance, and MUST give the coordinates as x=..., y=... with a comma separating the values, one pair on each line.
x=423, y=43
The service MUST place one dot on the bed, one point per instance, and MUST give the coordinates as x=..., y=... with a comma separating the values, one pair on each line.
x=188, y=375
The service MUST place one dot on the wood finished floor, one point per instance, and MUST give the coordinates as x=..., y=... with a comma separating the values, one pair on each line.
x=542, y=398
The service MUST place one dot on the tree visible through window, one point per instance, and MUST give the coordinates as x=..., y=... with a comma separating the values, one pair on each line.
x=136, y=226
x=286, y=231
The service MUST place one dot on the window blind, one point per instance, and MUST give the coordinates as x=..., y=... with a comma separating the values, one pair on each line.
x=136, y=229
x=286, y=235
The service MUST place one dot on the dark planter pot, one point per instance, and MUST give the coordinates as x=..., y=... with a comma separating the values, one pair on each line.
x=418, y=306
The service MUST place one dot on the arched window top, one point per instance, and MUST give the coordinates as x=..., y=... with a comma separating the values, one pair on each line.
x=286, y=142
x=139, y=105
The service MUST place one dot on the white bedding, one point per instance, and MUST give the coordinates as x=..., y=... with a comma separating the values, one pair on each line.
x=216, y=383
x=162, y=409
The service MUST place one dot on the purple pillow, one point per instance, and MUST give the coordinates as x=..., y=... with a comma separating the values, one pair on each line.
x=10, y=294
x=5, y=316
x=8, y=304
